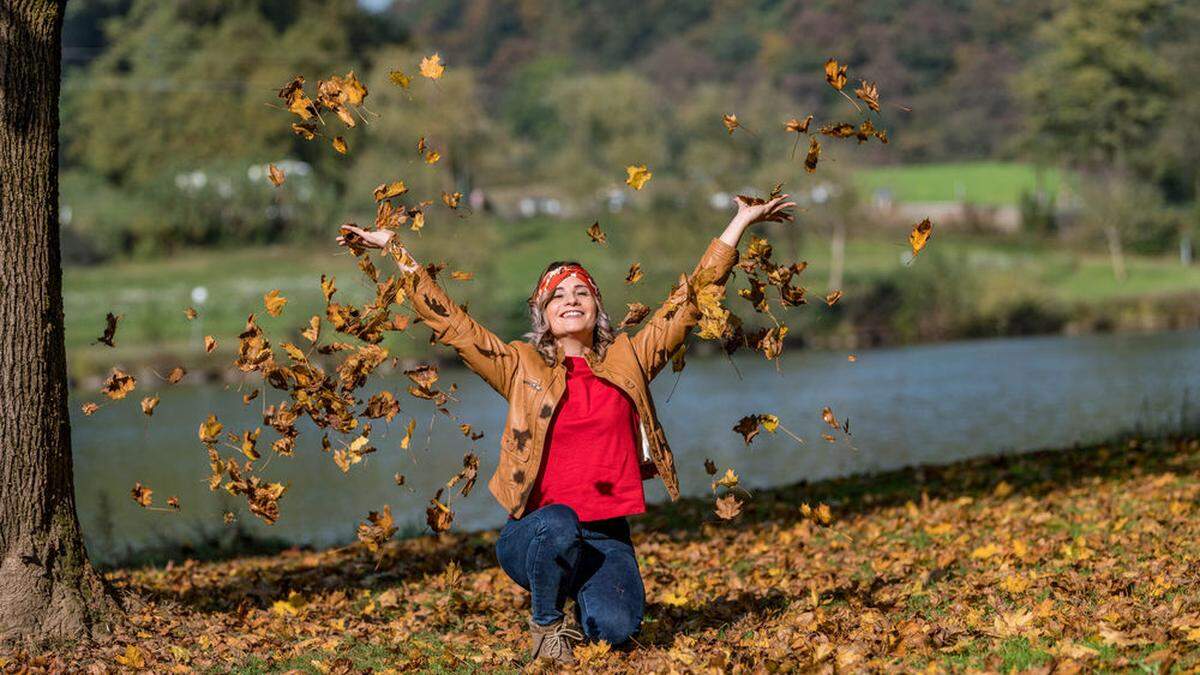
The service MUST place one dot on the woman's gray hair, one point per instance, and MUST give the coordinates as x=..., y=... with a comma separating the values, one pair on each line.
x=541, y=337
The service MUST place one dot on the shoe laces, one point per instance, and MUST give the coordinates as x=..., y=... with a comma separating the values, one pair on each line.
x=562, y=640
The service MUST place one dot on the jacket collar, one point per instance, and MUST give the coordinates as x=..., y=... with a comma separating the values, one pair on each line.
x=560, y=355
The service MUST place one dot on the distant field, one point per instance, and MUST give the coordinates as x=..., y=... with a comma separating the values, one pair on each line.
x=992, y=183
x=507, y=257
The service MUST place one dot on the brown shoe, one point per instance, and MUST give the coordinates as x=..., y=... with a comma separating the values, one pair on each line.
x=556, y=641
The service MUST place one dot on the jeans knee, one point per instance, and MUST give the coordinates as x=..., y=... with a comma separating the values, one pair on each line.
x=613, y=627
x=558, y=526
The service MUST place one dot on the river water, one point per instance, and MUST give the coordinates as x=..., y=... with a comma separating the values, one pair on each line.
x=910, y=405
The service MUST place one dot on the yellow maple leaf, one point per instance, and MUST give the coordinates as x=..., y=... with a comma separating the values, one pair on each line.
x=431, y=67
x=274, y=302
x=291, y=606
x=132, y=658
x=638, y=176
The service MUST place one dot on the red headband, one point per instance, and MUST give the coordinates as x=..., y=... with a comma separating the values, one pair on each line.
x=552, y=278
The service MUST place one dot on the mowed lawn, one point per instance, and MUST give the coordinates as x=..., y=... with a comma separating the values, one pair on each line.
x=990, y=183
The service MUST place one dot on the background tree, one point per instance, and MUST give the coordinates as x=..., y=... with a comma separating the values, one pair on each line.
x=1096, y=96
x=48, y=588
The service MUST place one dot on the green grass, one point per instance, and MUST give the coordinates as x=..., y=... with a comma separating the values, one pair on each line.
x=506, y=259
x=992, y=183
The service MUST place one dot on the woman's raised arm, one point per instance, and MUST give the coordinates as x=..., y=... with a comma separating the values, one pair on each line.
x=480, y=349
x=669, y=327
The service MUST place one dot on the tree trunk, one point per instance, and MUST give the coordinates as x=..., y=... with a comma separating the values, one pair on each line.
x=1116, y=256
x=837, y=253
x=48, y=589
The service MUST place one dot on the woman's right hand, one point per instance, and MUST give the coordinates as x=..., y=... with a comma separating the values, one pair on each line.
x=356, y=237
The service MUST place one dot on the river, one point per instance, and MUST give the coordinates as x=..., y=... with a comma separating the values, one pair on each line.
x=910, y=405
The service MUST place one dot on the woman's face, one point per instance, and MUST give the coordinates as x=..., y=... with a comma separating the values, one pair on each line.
x=571, y=308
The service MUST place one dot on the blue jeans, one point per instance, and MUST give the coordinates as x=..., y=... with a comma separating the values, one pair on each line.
x=554, y=556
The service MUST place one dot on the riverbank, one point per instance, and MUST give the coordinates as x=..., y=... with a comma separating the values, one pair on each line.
x=1074, y=559
x=960, y=287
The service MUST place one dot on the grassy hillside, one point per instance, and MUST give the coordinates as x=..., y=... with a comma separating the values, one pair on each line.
x=990, y=183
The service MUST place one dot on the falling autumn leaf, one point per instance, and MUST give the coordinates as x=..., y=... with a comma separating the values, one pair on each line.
x=210, y=343
x=438, y=515
x=176, y=375
x=833, y=297
x=634, y=275
x=638, y=176
x=451, y=199
x=835, y=75
x=814, y=154
x=275, y=175
x=389, y=190
x=118, y=384
x=797, y=126
x=431, y=67
x=827, y=416
x=730, y=122
x=730, y=479
x=148, y=405
x=596, y=234
x=307, y=130
x=210, y=430
x=728, y=507
x=920, y=235
x=110, y=329
x=297, y=102
x=190, y=313
x=173, y=502
x=408, y=431
x=637, y=312
x=869, y=93
x=398, y=78
x=89, y=408
x=747, y=427
x=839, y=130
x=141, y=494
x=274, y=302
x=460, y=275
x=339, y=144
x=378, y=529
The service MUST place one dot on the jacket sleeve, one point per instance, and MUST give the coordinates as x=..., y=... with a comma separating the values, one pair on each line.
x=666, y=330
x=480, y=349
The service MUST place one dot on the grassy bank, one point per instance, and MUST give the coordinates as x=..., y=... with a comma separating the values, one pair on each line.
x=959, y=287
x=1082, y=558
x=989, y=183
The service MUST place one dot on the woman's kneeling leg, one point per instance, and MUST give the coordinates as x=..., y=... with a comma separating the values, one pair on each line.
x=610, y=595
x=540, y=552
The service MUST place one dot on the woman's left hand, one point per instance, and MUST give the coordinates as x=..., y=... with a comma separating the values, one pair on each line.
x=772, y=210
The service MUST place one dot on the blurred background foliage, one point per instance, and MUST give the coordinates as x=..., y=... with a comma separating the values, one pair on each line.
x=1073, y=115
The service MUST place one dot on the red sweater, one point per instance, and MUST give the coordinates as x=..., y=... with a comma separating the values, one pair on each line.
x=590, y=461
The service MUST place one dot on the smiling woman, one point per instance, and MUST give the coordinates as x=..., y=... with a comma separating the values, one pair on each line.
x=579, y=411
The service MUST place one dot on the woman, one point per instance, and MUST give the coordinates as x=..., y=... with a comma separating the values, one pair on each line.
x=570, y=471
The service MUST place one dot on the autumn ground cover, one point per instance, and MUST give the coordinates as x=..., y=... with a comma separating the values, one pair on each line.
x=1075, y=559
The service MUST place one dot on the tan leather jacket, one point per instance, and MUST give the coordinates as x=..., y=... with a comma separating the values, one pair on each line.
x=532, y=388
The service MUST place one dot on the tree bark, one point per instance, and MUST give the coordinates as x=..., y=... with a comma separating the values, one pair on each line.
x=48, y=589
